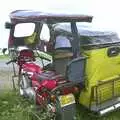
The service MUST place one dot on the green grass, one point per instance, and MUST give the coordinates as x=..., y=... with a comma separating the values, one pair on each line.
x=4, y=56
x=84, y=114
x=14, y=107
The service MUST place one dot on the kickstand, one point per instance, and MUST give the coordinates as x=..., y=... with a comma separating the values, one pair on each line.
x=13, y=77
x=13, y=83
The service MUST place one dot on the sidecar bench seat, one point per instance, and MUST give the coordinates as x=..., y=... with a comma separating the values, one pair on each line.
x=62, y=54
x=60, y=61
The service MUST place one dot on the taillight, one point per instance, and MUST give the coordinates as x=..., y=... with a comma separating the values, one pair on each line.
x=53, y=98
x=76, y=90
x=66, y=91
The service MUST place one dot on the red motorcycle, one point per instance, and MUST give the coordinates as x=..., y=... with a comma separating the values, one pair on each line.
x=46, y=88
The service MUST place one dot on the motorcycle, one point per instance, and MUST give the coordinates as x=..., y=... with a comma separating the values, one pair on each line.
x=45, y=88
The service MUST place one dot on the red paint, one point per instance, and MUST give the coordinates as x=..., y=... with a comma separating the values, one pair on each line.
x=32, y=67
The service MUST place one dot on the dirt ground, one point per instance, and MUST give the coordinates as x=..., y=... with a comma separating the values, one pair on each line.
x=5, y=79
x=6, y=73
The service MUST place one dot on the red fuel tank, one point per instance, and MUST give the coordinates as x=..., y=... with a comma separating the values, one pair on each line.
x=32, y=67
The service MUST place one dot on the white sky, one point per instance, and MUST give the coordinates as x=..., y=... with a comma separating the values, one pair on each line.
x=105, y=12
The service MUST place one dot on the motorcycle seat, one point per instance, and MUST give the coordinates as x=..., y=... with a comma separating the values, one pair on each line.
x=48, y=75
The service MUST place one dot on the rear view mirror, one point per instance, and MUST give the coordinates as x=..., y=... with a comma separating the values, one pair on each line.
x=8, y=25
x=45, y=33
x=4, y=51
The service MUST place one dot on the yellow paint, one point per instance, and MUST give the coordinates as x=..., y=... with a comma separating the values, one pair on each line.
x=100, y=68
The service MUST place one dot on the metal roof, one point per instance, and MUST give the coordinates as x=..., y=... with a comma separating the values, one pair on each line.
x=85, y=30
x=29, y=15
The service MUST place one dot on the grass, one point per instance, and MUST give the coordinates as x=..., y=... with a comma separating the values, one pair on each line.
x=14, y=107
x=4, y=56
x=83, y=114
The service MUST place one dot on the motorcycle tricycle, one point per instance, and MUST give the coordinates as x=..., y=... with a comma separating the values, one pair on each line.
x=83, y=59
x=54, y=84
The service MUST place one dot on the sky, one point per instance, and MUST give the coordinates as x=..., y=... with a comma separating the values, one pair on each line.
x=105, y=12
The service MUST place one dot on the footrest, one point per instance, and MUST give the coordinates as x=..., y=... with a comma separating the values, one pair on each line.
x=109, y=109
x=107, y=106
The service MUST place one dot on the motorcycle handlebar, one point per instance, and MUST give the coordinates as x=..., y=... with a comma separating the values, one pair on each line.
x=44, y=58
x=10, y=61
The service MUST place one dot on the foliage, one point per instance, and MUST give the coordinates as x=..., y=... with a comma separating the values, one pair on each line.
x=3, y=56
x=14, y=107
x=84, y=114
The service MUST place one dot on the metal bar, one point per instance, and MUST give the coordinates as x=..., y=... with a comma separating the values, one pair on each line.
x=14, y=69
x=96, y=95
x=113, y=88
x=97, y=90
x=13, y=82
x=105, y=82
x=75, y=42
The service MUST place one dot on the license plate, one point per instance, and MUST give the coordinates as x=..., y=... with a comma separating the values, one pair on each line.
x=66, y=100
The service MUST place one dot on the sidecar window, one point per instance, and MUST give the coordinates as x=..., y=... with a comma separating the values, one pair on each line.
x=89, y=35
x=62, y=42
x=45, y=33
x=24, y=29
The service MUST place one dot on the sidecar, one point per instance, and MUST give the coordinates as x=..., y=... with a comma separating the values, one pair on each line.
x=101, y=91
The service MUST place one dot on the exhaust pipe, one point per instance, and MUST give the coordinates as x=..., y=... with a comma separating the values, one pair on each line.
x=25, y=88
x=30, y=93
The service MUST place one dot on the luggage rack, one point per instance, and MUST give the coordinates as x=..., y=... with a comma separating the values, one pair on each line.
x=106, y=96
